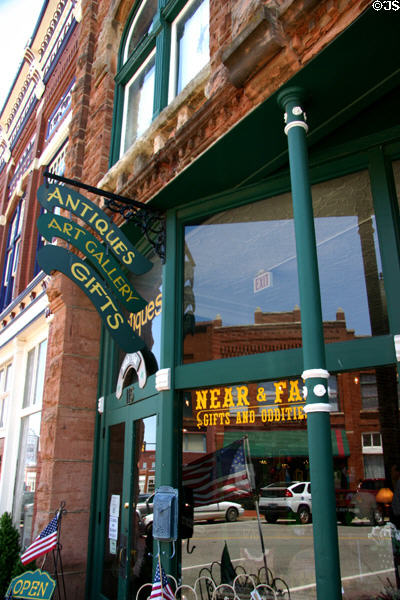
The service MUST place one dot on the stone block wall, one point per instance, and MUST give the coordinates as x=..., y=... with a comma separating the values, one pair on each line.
x=290, y=32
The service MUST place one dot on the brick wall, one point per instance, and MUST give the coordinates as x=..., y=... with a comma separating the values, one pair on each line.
x=70, y=396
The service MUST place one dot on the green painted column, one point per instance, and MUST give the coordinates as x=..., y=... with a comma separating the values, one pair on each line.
x=169, y=429
x=326, y=548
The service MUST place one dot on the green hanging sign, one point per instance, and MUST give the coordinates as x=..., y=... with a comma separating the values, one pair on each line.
x=53, y=258
x=32, y=584
x=51, y=225
x=52, y=195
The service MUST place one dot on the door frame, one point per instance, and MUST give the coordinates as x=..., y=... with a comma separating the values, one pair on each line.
x=146, y=403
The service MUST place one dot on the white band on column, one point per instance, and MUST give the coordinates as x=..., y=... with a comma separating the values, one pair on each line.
x=317, y=407
x=397, y=347
x=163, y=380
x=321, y=373
x=296, y=124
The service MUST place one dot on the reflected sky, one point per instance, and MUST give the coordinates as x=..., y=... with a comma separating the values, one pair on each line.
x=150, y=432
x=228, y=256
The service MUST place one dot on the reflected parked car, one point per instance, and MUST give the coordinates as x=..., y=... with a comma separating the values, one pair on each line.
x=144, y=504
x=286, y=500
x=228, y=511
x=293, y=500
x=364, y=502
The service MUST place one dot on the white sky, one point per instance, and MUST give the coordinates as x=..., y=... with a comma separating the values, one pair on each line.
x=17, y=22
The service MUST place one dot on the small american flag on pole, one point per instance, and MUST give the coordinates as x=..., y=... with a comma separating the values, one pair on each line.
x=161, y=588
x=218, y=476
x=45, y=542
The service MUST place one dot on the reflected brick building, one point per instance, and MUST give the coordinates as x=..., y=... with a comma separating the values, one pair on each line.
x=355, y=417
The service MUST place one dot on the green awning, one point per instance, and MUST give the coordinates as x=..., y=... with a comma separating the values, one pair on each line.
x=286, y=442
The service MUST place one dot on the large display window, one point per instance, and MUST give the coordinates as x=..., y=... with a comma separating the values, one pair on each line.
x=240, y=274
x=256, y=452
x=240, y=299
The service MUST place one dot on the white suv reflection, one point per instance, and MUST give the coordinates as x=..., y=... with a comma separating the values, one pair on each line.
x=285, y=500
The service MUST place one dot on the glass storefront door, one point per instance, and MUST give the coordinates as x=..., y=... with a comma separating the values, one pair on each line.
x=125, y=544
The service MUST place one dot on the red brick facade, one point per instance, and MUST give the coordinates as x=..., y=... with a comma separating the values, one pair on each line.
x=239, y=79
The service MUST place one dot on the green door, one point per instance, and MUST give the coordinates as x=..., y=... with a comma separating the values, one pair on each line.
x=122, y=549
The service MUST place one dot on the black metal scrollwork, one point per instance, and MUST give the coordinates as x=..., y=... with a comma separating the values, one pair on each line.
x=150, y=222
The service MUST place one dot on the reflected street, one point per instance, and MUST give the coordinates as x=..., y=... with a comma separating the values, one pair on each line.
x=365, y=552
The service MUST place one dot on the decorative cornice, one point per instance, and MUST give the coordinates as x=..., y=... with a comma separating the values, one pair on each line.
x=210, y=121
x=18, y=102
x=33, y=86
x=253, y=47
x=31, y=292
x=52, y=27
x=77, y=11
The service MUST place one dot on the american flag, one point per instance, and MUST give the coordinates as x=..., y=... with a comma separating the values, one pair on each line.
x=45, y=542
x=218, y=476
x=161, y=588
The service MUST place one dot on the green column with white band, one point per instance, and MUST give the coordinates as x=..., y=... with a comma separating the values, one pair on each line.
x=315, y=375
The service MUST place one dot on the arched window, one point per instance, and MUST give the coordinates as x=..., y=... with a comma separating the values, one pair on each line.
x=141, y=26
x=162, y=50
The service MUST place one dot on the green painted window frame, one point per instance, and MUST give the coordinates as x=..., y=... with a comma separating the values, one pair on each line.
x=341, y=356
x=158, y=40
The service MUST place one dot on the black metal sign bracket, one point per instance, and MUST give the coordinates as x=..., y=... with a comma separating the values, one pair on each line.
x=150, y=222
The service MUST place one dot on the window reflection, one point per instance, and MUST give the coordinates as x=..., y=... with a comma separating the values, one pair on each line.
x=190, y=47
x=350, y=269
x=138, y=110
x=35, y=370
x=5, y=387
x=146, y=323
x=11, y=257
x=369, y=391
x=365, y=448
x=27, y=475
x=240, y=289
x=26, y=479
x=141, y=26
x=144, y=454
x=128, y=528
x=240, y=279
